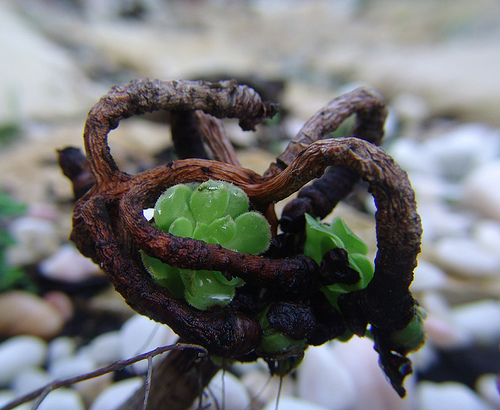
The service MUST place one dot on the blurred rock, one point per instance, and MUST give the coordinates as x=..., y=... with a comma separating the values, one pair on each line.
x=224, y=391
x=25, y=313
x=487, y=388
x=62, y=399
x=140, y=334
x=20, y=353
x=35, y=238
x=481, y=320
x=450, y=395
x=30, y=379
x=465, y=257
x=481, y=190
x=69, y=265
x=293, y=403
x=105, y=348
x=117, y=394
x=265, y=389
x=323, y=379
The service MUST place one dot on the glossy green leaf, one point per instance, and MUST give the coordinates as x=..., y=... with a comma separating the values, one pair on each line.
x=238, y=201
x=204, y=291
x=353, y=244
x=209, y=201
x=223, y=229
x=173, y=204
x=253, y=234
x=182, y=227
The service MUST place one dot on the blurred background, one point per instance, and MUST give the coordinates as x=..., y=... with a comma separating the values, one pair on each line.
x=435, y=62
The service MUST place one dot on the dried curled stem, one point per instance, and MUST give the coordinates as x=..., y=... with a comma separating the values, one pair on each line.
x=109, y=226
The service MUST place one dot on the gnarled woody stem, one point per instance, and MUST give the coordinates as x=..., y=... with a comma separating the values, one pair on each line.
x=398, y=224
x=226, y=99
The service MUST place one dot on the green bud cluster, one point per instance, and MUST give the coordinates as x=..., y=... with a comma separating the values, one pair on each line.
x=215, y=212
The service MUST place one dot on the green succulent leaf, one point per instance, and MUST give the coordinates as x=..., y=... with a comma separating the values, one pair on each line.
x=204, y=290
x=352, y=243
x=164, y=274
x=253, y=234
x=173, y=204
x=182, y=227
x=215, y=212
x=238, y=201
x=209, y=201
x=223, y=229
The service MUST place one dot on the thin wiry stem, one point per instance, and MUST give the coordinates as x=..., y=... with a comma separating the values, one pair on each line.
x=42, y=392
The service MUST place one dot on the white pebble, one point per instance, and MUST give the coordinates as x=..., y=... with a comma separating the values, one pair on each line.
x=465, y=257
x=450, y=395
x=323, y=379
x=373, y=391
x=62, y=399
x=140, y=334
x=411, y=156
x=19, y=353
x=486, y=386
x=440, y=220
x=462, y=149
x=29, y=380
x=117, y=394
x=105, y=348
x=481, y=190
x=293, y=403
x=35, y=239
x=427, y=276
x=264, y=388
x=487, y=233
x=445, y=334
x=71, y=366
x=60, y=348
x=68, y=265
x=6, y=396
x=225, y=391
x=481, y=320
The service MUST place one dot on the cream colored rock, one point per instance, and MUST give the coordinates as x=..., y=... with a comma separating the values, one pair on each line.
x=23, y=313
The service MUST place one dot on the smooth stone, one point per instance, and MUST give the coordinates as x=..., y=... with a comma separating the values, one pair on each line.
x=61, y=302
x=440, y=220
x=427, y=276
x=443, y=333
x=6, y=396
x=293, y=403
x=463, y=148
x=62, y=399
x=481, y=191
x=225, y=391
x=486, y=386
x=20, y=353
x=411, y=156
x=26, y=313
x=29, y=380
x=90, y=389
x=264, y=388
x=324, y=380
x=71, y=366
x=41, y=80
x=105, y=348
x=138, y=335
x=487, y=234
x=373, y=391
x=411, y=109
x=449, y=395
x=35, y=238
x=431, y=189
x=116, y=394
x=68, y=265
x=481, y=320
x=60, y=348
x=465, y=257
